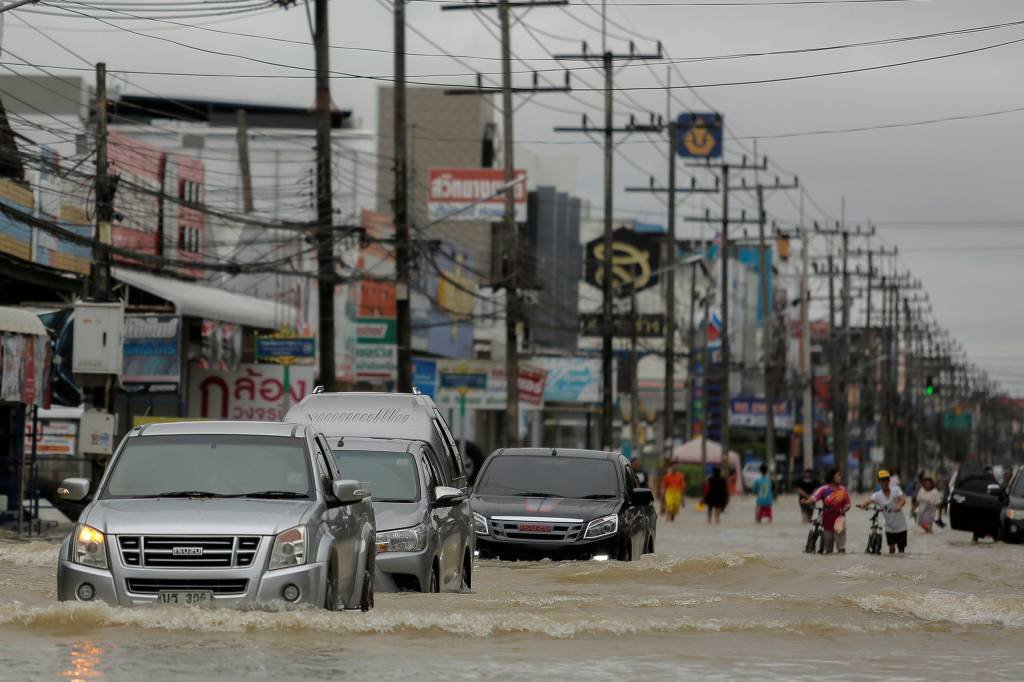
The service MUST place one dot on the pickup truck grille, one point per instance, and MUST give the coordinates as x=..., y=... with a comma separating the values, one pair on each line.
x=153, y=586
x=561, y=531
x=185, y=551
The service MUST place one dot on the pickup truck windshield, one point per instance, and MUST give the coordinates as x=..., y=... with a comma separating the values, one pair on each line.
x=548, y=476
x=390, y=476
x=211, y=465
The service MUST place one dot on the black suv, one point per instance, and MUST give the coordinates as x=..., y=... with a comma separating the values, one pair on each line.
x=562, y=504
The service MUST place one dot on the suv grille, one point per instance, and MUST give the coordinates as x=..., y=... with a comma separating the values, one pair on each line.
x=561, y=531
x=181, y=551
x=153, y=586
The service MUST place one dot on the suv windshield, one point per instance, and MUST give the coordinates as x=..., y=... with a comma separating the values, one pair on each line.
x=390, y=476
x=548, y=476
x=211, y=465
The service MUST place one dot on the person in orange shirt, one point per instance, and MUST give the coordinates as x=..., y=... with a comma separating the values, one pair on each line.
x=673, y=484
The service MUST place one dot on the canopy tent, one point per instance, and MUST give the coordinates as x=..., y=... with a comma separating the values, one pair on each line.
x=17, y=321
x=209, y=302
x=689, y=453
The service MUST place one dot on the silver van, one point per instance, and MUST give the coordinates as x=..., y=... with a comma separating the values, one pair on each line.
x=222, y=513
x=400, y=447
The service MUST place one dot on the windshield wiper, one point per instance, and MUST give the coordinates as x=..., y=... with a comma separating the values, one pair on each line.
x=278, y=494
x=534, y=495
x=191, y=493
x=597, y=497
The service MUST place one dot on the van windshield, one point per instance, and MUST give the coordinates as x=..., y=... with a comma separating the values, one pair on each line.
x=547, y=476
x=390, y=476
x=211, y=465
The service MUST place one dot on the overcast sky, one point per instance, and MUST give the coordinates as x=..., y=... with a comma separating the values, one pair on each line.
x=937, y=191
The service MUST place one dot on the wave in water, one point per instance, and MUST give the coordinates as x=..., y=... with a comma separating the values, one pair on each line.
x=87, y=618
x=652, y=565
x=941, y=606
x=30, y=554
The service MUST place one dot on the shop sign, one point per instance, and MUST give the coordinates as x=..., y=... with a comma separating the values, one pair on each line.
x=253, y=392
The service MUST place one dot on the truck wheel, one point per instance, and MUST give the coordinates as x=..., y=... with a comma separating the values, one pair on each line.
x=366, y=603
x=467, y=574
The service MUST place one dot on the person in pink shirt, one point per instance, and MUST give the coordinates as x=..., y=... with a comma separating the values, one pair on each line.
x=835, y=500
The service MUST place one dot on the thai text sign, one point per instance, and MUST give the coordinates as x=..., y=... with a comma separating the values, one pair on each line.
x=152, y=349
x=472, y=194
x=299, y=350
x=252, y=392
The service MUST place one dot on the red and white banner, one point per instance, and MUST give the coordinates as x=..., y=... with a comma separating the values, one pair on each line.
x=472, y=194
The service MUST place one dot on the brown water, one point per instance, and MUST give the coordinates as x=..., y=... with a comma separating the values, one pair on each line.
x=719, y=602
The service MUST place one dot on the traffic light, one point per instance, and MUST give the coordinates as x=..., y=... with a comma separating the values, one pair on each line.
x=929, y=387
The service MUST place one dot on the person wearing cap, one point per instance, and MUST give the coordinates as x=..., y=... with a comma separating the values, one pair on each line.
x=890, y=500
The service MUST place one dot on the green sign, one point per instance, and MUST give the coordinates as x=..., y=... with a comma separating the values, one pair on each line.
x=962, y=421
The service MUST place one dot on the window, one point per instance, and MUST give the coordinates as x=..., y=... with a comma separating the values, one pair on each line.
x=322, y=467
x=390, y=476
x=549, y=476
x=450, y=444
x=434, y=476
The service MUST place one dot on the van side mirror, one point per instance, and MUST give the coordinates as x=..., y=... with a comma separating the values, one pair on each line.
x=349, y=491
x=445, y=496
x=73, y=489
x=642, y=497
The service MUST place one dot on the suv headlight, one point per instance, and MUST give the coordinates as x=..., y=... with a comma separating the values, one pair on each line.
x=403, y=540
x=289, y=548
x=598, y=528
x=480, y=524
x=90, y=547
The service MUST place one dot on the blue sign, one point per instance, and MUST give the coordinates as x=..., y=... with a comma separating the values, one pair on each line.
x=470, y=380
x=424, y=376
x=699, y=135
x=269, y=348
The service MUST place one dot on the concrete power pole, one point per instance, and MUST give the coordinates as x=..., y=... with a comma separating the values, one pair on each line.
x=403, y=313
x=807, y=371
x=100, y=275
x=324, y=204
x=242, y=139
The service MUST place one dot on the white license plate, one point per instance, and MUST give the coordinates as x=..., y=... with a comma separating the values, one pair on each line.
x=190, y=598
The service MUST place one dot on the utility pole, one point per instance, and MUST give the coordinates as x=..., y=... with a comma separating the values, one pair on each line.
x=400, y=208
x=100, y=276
x=242, y=138
x=511, y=227
x=670, y=294
x=634, y=370
x=608, y=60
x=324, y=206
x=807, y=371
x=724, y=169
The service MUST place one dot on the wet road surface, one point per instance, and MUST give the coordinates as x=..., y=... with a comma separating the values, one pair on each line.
x=715, y=601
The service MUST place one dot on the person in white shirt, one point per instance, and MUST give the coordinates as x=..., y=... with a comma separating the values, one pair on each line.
x=926, y=503
x=890, y=500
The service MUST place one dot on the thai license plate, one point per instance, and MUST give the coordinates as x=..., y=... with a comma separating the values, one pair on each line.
x=535, y=527
x=190, y=598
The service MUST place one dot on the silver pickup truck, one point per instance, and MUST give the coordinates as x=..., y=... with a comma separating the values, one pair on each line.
x=222, y=513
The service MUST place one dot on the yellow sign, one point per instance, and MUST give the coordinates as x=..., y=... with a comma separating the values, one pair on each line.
x=698, y=140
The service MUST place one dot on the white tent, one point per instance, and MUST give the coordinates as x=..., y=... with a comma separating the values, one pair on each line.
x=689, y=453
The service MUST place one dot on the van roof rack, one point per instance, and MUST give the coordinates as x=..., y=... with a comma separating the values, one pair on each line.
x=319, y=388
x=416, y=390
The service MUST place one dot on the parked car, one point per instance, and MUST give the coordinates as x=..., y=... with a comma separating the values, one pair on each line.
x=1011, y=516
x=223, y=513
x=547, y=502
x=425, y=537
x=975, y=502
x=411, y=416
x=751, y=472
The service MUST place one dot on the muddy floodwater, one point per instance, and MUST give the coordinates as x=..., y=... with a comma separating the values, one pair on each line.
x=718, y=602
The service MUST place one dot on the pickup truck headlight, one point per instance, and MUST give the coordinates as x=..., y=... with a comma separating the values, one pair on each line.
x=598, y=528
x=90, y=547
x=1016, y=514
x=403, y=540
x=289, y=548
x=480, y=524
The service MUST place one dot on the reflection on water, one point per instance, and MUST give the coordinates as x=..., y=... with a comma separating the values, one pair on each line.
x=85, y=659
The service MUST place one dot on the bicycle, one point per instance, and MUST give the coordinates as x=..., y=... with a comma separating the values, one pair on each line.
x=875, y=535
x=816, y=535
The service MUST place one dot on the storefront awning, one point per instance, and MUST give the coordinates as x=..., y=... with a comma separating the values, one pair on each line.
x=211, y=303
x=17, y=321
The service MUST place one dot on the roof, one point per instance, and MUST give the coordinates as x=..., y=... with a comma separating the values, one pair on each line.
x=559, y=452
x=17, y=321
x=212, y=303
x=221, y=427
x=219, y=112
x=390, y=415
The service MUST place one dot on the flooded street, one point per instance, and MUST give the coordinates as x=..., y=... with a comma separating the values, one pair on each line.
x=720, y=602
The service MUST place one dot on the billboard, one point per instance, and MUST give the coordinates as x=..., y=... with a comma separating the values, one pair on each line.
x=753, y=413
x=700, y=135
x=471, y=194
x=483, y=383
x=443, y=314
x=636, y=258
x=152, y=349
x=571, y=380
x=250, y=393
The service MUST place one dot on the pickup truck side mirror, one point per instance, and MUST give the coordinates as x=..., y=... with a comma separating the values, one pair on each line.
x=642, y=497
x=445, y=496
x=73, y=489
x=994, y=489
x=349, y=491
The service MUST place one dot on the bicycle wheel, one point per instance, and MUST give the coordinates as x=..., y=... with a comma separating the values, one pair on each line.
x=809, y=546
x=821, y=541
